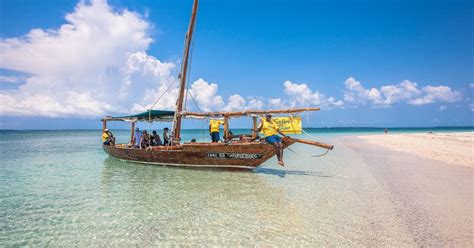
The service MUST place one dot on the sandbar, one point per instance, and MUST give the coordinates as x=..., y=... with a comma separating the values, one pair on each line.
x=455, y=148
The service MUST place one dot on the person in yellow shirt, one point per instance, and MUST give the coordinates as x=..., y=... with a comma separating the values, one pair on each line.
x=270, y=130
x=214, y=125
x=108, y=137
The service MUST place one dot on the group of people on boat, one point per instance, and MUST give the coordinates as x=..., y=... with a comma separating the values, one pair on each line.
x=267, y=127
x=142, y=139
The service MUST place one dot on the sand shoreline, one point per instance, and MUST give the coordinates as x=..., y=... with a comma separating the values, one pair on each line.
x=431, y=198
x=455, y=148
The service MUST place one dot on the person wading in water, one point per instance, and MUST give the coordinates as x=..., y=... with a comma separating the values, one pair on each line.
x=270, y=130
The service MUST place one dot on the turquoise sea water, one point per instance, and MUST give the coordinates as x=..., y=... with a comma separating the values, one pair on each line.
x=60, y=189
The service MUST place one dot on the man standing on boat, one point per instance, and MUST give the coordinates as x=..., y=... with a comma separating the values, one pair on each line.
x=214, y=125
x=270, y=130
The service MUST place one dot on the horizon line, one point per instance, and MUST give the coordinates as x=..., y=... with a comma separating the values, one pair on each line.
x=340, y=127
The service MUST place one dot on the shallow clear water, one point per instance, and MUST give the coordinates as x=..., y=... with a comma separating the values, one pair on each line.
x=60, y=188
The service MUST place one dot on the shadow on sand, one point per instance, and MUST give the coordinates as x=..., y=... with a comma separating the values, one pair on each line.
x=259, y=170
x=283, y=173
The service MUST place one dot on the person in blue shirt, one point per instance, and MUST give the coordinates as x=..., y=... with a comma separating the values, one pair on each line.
x=137, y=136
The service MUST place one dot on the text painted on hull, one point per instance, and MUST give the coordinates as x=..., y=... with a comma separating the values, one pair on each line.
x=234, y=155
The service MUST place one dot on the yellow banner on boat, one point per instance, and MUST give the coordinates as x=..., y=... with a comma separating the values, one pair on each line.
x=288, y=125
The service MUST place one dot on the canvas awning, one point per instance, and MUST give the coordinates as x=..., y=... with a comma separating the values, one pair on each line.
x=150, y=115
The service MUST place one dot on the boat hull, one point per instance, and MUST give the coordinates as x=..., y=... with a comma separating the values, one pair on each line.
x=239, y=155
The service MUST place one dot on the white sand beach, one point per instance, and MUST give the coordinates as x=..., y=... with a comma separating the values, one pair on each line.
x=451, y=148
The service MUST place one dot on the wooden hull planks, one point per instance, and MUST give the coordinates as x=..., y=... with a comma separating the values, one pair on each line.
x=240, y=155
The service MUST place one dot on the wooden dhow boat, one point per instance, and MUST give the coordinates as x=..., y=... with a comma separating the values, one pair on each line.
x=237, y=154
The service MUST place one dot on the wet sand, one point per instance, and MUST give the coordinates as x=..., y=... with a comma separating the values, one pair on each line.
x=451, y=148
x=433, y=199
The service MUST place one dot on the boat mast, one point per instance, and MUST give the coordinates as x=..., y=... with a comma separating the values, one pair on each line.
x=183, y=76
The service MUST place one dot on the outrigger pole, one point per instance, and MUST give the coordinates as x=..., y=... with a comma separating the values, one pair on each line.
x=183, y=75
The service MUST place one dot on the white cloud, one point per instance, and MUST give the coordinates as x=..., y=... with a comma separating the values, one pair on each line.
x=356, y=93
x=255, y=104
x=96, y=63
x=236, y=102
x=77, y=69
x=10, y=79
x=471, y=107
x=471, y=86
x=442, y=108
x=276, y=103
x=437, y=94
x=206, y=95
x=405, y=91
x=401, y=92
x=301, y=95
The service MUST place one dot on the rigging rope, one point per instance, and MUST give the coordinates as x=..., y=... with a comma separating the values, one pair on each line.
x=305, y=155
x=311, y=156
x=167, y=89
x=195, y=103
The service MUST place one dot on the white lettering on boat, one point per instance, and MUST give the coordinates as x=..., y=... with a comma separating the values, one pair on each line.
x=234, y=155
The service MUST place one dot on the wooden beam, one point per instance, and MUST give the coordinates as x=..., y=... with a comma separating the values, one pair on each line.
x=313, y=143
x=254, y=127
x=104, y=125
x=248, y=112
x=226, y=128
x=132, y=133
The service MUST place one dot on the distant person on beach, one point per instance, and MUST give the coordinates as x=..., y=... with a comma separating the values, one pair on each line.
x=193, y=140
x=137, y=137
x=385, y=131
x=214, y=125
x=155, y=139
x=107, y=137
x=166, y=137
x=270, y=130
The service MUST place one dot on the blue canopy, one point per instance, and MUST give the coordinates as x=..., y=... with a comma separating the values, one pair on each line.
x=150, y=115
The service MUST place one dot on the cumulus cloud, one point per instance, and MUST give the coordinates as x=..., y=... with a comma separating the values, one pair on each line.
x=96, y=63
x=206, y=95
x=405, y=91
x=254, y=103
x=356, y=93
x=437, y=94
x=10, y=79
x=300, y=95
x=276, y=103
x=236, y=102
x=385, y=96
x=76, y=68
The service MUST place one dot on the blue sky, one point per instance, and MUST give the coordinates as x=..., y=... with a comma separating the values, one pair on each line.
x=366, y=63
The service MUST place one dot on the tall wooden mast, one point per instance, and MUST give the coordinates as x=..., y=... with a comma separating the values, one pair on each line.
x=183, y=74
